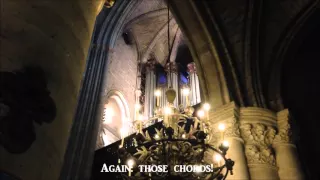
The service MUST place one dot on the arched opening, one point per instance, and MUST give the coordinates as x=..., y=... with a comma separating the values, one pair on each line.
x=300, y=90
x=115, y=116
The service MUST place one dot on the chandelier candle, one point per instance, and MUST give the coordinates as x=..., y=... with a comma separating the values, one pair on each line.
x=157, y=94
x=222, y=127
x=130, y=164
x=140, y=123
x=122, y=133
x=201, y=114
x=185, y=92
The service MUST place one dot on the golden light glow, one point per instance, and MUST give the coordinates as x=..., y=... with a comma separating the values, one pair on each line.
x=197, y=168
x=185, y=91
x=217, y=157
x=123, y=131
x=184, y=136
x=130, y=163
x=137, y=106
x=221, y=127
x=156, y=136
x=206, y=106
x=225, y=143
x=141, y=117
x=167, y=111
x=157, y=93
x=107, y=115
x=109, y=3
x=200, y=113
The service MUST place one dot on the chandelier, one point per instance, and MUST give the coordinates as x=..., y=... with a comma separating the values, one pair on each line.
x=179, y=141
x=178, y=145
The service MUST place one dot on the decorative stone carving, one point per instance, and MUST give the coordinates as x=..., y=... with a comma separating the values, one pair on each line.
x=228, y=115
x=192, y=68
x=150, y=65
x=256, y=155
x=231, y=131
x=232, y=128
x=258, y=139
x=285, y=133
x=173, y=66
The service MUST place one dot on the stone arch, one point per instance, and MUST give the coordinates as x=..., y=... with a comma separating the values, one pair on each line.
x=122, y=104
x=285, y=46
x=157, y=37
x=83, y=135
x=209, y=53
x=119, y=117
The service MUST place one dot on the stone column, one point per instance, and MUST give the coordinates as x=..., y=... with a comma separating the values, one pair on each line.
x=286, y=152
x=258, y=129
x=174, y=76
x=150, y=86
x=229, y=115
x=194, y=84
x=84, y=132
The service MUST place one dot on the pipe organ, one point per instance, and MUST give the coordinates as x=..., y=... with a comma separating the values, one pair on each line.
x=150, y=87
x=194, y=84
x=160, y=81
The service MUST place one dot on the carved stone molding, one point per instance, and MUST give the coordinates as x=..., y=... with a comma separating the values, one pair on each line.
x=258, y=140
x=150, y=65
x=173, y=66
x=192, y=68
x=228, y=115
x=285, y=132
x=258, y=130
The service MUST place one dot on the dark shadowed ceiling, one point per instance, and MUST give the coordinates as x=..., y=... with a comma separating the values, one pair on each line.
x=148, y=27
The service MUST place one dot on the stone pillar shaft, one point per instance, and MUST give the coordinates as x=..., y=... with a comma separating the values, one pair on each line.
x=194, y=84
x=286, y=152
x=229, y=115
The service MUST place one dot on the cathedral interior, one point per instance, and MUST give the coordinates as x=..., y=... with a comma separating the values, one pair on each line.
x=73, y=72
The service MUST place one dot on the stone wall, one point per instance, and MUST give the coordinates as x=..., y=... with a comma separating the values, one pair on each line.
x=54, y=35
x=120, y=75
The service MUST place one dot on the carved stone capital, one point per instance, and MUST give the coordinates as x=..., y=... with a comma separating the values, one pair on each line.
x=258, y=140
x=150, y=65
x=258, y=130
x=228, y=115
x=173, y=66
x=284, y=128
x=192, y=67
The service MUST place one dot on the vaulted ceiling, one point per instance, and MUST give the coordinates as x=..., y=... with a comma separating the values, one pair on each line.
x=148, y=25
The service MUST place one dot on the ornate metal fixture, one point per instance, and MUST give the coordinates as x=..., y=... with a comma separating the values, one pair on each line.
x=181, y=139
x=109, y=3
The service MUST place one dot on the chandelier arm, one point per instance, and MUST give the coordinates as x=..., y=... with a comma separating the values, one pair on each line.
x=217, y=151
